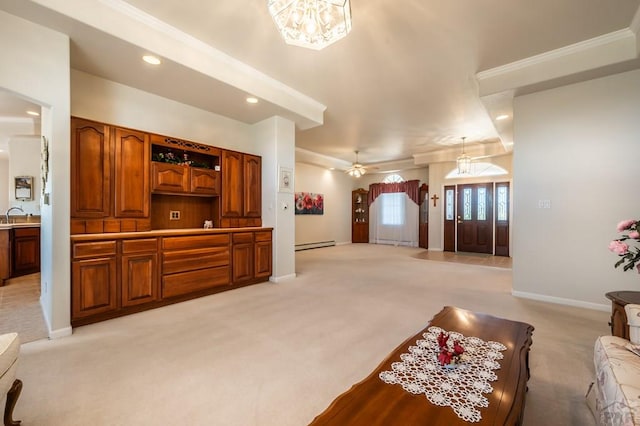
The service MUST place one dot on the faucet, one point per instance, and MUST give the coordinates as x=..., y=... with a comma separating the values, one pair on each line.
x=6, y=215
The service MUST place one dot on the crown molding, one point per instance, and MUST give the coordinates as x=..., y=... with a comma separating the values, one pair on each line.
x=111, y=16
x=598, y=52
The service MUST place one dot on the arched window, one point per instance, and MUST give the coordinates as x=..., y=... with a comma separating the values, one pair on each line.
x=394, y=178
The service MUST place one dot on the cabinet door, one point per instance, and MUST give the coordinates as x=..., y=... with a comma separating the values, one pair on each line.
x=93, y=287
x=26, y=251
x=232, y=184
x=132, y=156
x=204, y=181
x=90, y=169
x=169, y=178
x=139, y=279
x=252, y=186
x=263, y=259
x=242, y=262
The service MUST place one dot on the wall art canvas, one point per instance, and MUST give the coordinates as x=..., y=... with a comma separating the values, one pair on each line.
x=309, y=203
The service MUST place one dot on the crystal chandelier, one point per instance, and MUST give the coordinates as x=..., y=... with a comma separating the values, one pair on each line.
x=313, y=24
x=464, y=162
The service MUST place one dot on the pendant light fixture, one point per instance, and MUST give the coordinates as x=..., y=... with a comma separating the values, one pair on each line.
x=464, y=162
x=313, y=24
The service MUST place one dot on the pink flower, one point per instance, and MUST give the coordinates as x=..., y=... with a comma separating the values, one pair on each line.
x=618, y=247
x=635, y=235
x=625, y=224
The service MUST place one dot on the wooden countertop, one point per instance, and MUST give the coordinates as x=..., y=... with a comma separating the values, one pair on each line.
x=19, y=225
x=375, y=403
x=162, y=233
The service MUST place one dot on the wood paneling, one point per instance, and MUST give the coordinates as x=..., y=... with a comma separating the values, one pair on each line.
x=139, y=279
x=26, y=251
x=94, y=287
x=204, y=181
x=5, y=255
x=90, y=169
x=243, y=257
x=232, y=184
x=194, y=281
x=193, y=211
x=169, y=178
x=252, y=186
x=132, y=157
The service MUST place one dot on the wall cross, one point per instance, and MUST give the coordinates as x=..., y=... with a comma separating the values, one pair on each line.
x=435, y=198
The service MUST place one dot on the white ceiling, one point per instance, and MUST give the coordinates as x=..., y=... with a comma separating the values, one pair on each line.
x=401, y=85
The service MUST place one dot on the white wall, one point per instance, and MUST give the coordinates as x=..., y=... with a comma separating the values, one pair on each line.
x=577, y=146
x=35, y=64
x=276, y=139
x=24, y=160
x=335, y=223
x=109, y=102
x=421, y=174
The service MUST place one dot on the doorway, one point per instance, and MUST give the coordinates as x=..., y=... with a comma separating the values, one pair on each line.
x=476, y=218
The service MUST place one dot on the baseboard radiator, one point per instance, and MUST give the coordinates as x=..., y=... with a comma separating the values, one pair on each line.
x=309, y=246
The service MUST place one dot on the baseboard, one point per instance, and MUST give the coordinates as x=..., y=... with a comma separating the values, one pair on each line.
x=314, y=245
x=282, y=278
x=343, y=243
x=54, y=334
x=561, y=301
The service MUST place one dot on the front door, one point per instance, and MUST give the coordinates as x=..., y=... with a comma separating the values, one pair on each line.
x=475, y=218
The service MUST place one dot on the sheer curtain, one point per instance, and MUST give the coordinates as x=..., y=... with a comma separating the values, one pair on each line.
x=393, y=213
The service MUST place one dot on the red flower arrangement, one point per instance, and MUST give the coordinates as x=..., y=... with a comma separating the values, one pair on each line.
x=448, y=355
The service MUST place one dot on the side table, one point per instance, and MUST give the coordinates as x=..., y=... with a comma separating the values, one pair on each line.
x=619, y=299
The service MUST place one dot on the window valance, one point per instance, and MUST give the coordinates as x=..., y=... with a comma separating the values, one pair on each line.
x=411, y=187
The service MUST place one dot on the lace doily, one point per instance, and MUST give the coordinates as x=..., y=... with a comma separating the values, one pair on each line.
x=460, y=386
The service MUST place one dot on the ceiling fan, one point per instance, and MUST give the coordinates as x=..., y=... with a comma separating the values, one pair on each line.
x=356, y=169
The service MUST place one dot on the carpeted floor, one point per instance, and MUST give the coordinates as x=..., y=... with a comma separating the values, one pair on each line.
x=278, y=354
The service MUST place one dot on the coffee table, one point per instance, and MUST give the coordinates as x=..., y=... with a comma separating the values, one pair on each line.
x=373, y=402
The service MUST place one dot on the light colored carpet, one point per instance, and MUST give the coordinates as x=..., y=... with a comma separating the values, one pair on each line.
x=20, y=309
x=278, y=354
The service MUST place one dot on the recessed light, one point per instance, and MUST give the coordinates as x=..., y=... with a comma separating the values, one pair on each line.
x=502, y=117
x=150, y=59
x=34, y=113
x=252, y=100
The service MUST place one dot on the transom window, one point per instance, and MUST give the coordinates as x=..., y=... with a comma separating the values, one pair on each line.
x=394, y=178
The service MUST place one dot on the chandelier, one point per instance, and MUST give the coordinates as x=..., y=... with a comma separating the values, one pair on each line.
x=464, y=162
x=313, y=24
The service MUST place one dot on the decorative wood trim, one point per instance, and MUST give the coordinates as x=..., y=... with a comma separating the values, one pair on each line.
x=185, y=145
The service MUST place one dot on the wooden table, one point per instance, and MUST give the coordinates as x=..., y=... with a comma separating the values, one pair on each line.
x=373, y=402
x=619, y=299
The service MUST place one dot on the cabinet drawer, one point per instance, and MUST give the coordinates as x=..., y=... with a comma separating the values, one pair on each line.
x=242, y=237
x=94, y=249
x=190, y=282
x=137, y=246
x=26, y=232
x=263, y=236
x=194, y=242
x=189, y=260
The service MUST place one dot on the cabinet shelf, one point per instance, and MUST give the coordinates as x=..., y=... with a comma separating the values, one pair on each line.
x=359, y=216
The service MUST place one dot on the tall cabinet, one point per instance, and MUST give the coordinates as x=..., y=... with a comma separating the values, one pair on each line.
x=241, y=190
x=359, y=216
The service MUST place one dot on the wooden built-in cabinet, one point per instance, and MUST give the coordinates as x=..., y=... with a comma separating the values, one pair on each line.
x=139, y=271
x=241, y=204
x=19, y=252
x=359, y=216
x=251, y=256
x=93, y=277
x=26, y=251
x=109, y=178
x=194, y=263
x=177, y=179
x=112, y=277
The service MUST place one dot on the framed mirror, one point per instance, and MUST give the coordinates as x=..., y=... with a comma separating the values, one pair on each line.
x=24, y=188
